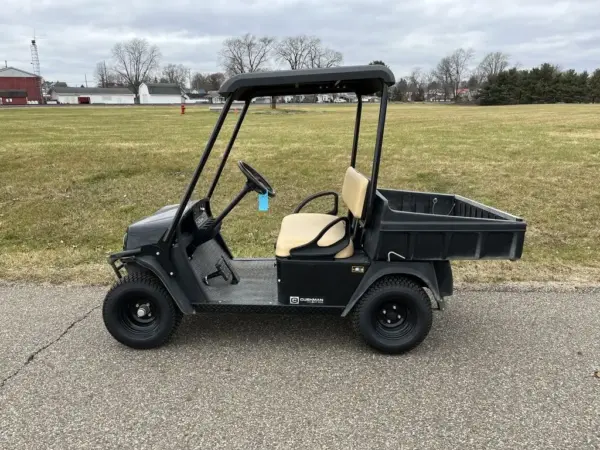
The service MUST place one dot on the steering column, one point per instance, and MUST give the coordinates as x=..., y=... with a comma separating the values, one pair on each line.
x=254, y=182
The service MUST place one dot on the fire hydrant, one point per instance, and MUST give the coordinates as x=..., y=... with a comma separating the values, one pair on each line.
x=182, y=108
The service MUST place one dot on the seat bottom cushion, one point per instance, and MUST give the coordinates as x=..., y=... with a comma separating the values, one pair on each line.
x=299, y=229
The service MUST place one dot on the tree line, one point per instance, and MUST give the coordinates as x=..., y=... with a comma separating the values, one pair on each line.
x=456, y=77
x=544, y=84
x=136, y=61
x=452, y=75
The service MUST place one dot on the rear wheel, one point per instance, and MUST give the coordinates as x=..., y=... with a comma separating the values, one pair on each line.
x=139, y=312
x=394, y=315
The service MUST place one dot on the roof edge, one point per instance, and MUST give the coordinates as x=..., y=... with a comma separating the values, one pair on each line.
x=365, y=78
x=19, y=70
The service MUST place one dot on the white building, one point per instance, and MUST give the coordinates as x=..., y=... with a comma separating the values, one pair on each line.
x=161, y=94
x=80, y=95
x=194, y=96
x=215, y=97
x=324, y=98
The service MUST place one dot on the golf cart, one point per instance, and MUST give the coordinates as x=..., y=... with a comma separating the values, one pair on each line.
x=383, y=259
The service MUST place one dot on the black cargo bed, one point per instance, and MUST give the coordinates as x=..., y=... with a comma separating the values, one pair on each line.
x=409, y=225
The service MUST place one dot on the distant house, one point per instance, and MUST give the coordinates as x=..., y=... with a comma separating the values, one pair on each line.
x=324, y=98
x=350, y=97
x=262, y=100
x=161, y=94
x=196, y=96
x=82, y=95
x=466, y=94
x=215, y=97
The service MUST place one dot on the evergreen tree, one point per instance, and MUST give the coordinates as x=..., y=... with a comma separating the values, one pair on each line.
x=543, y=84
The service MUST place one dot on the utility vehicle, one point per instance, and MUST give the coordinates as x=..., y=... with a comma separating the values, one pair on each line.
x=383, y=258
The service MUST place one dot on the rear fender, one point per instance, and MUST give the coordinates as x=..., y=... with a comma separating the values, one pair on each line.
x=425, y=272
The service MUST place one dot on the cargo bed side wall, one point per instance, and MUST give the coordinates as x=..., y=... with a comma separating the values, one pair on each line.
x=418, y=202
x=399, y=235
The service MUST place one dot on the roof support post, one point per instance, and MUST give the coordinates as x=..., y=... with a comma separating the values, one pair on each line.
x=190, y=189
x=377, y=157
x=356, y=131
x=228, y=149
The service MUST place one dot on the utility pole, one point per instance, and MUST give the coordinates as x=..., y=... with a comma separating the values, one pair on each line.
x=85, y=75
x=35, y=62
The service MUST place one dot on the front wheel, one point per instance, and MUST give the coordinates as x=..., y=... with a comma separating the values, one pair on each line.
x=394, y=315
x=139, y=312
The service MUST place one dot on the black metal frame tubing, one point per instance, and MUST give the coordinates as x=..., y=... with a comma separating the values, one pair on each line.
x=377, y=156
x=356, y=131
x=215, y=133
x=225, y=156
x=190, y=189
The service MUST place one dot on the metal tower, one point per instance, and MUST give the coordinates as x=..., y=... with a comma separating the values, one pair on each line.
x=35, y=62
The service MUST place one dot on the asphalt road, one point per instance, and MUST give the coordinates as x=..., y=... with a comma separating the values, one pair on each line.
x=499, y=370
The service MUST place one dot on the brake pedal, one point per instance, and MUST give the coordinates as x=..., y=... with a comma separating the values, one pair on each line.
x=217, y=273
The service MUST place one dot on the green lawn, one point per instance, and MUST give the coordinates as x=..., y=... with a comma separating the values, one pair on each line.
x=73, y=178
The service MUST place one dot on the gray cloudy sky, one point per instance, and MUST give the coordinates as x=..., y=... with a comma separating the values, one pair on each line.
x=75, y=34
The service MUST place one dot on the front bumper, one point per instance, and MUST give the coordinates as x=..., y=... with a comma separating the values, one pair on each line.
x=117, y=260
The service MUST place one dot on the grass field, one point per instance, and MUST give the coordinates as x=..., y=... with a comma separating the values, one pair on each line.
x=72, y=179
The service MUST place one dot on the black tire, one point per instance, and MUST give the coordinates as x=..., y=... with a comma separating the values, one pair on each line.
x=122, y=302
x=394, y=316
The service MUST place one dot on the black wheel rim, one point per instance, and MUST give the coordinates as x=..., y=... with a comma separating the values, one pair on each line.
x=394, y=320
x=140, y=316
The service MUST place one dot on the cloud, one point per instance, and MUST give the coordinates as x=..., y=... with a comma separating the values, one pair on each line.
x=75, y=34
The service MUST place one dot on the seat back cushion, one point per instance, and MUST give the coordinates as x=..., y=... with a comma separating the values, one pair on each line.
x=354, y=192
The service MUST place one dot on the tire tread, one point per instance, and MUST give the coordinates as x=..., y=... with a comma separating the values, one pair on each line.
x=151, y=281
x=391, y=282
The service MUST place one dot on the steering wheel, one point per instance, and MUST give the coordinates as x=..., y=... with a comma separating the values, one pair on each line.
x=256, y=180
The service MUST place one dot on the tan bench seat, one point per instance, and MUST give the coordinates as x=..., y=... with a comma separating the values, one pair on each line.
x=299, y=229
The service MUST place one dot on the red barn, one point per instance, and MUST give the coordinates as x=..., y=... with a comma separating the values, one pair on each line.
x=14, y=97
x=15, y=82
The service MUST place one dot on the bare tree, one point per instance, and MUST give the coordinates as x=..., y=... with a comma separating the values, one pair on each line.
x=416, y=84
x=443, y=75
x=215, y=80
x=135, y=61
x=102, y=74
x=246, y=54
x=459, y=65
x=175, y=74
x=294, y=51
x=320, y=57
x=200, y=81
x=106, y=77
x=429, y=83
x=208, y=82
x=492, y=65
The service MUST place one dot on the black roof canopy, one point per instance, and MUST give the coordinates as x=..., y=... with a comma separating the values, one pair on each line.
x=364, y=80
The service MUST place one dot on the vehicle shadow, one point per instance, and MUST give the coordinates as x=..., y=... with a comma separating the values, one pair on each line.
x=264, y=329
x=318, y=332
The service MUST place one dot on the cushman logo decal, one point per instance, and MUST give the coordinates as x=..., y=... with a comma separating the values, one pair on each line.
x=311, y=300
